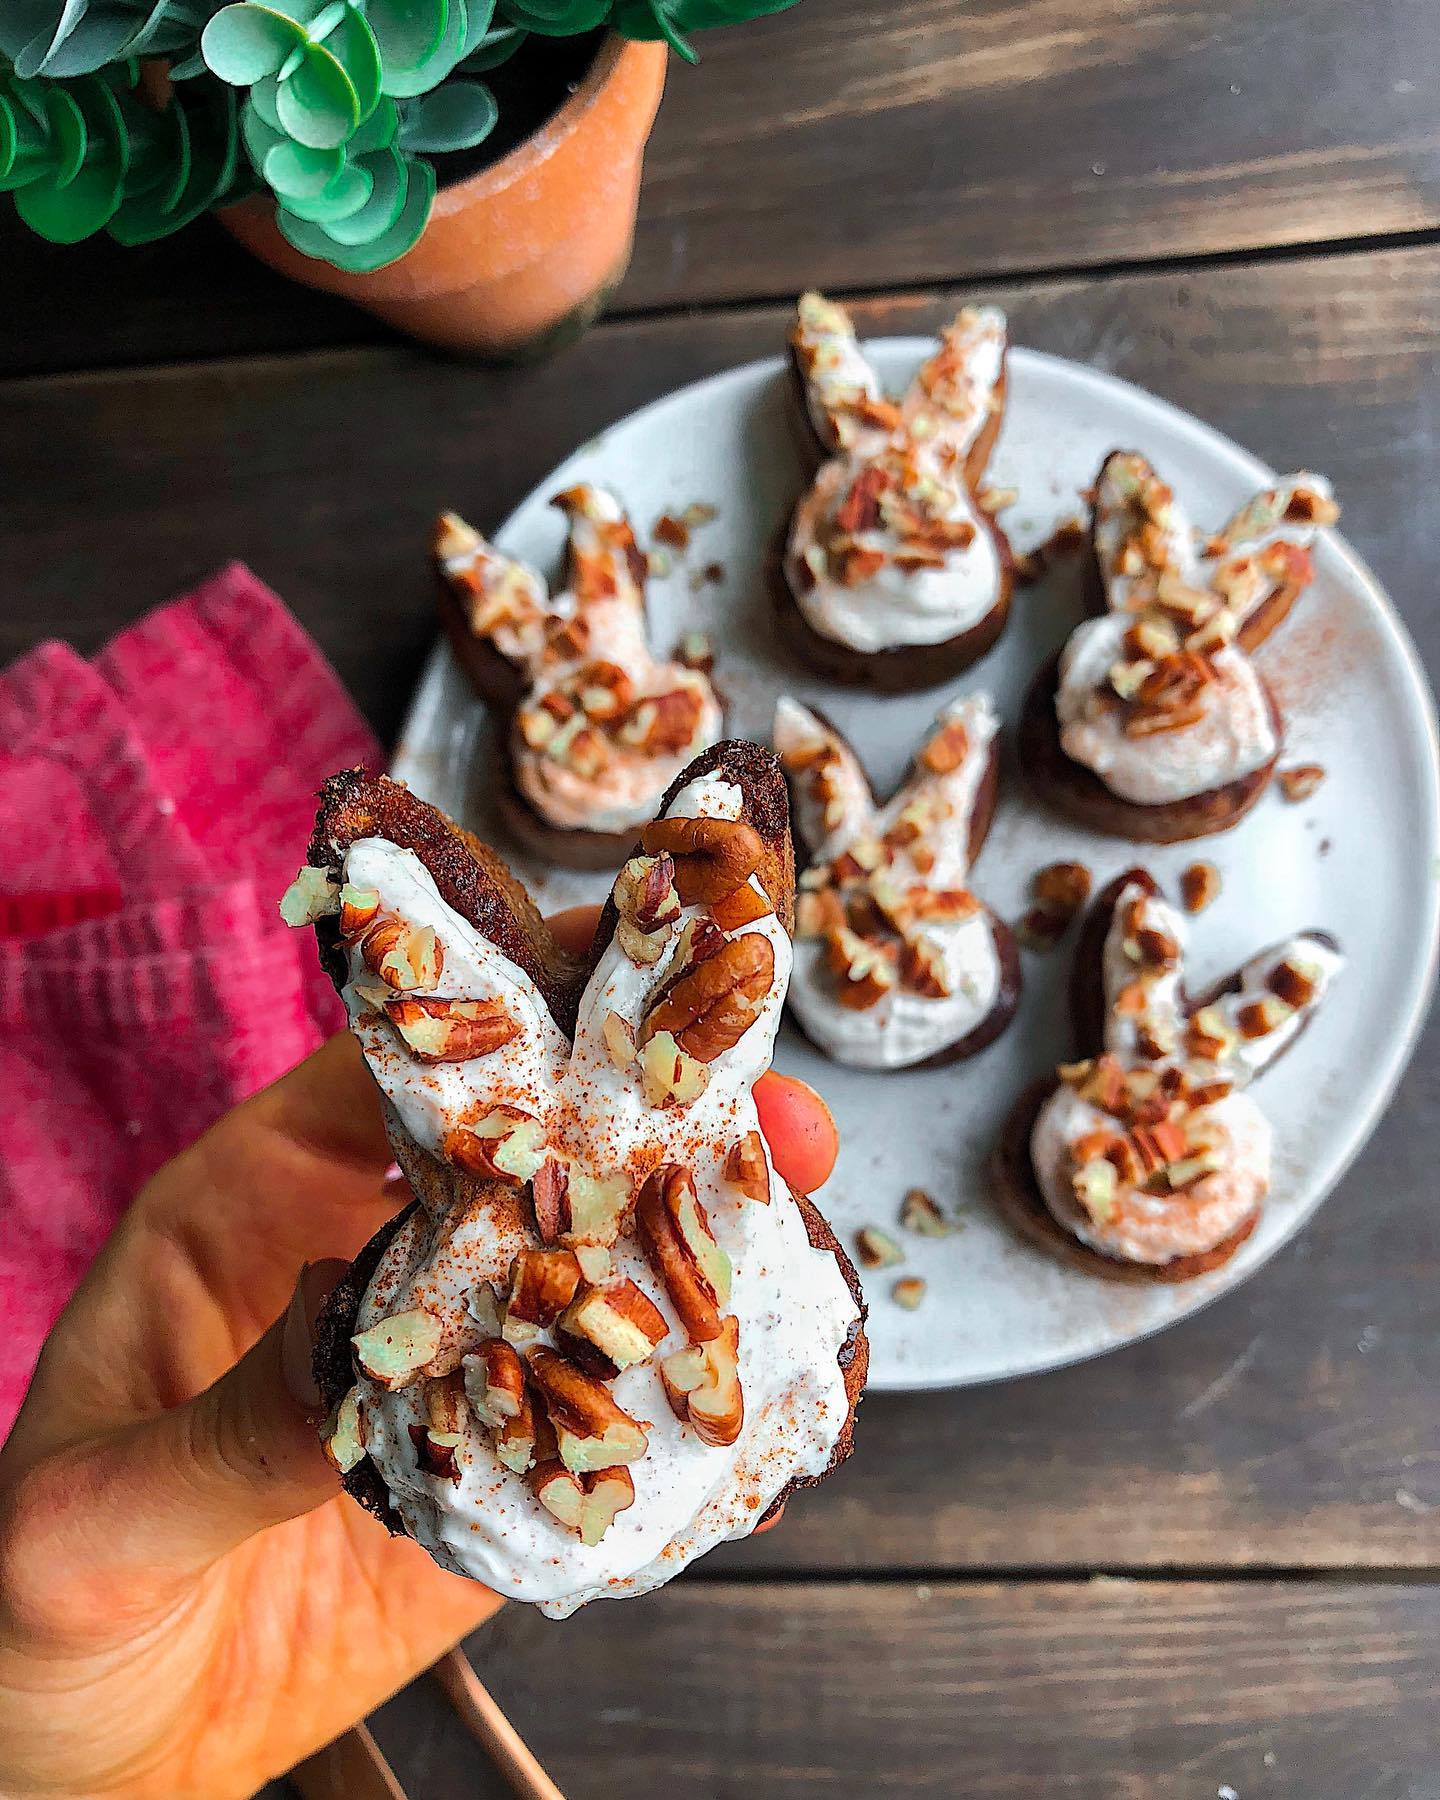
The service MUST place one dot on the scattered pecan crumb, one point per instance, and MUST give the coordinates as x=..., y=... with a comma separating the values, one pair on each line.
x=920, y=1212
x=672, y=531
x=877, y=1249
x=908, y=1292
x=995, y=499
x=1041, y=928
x=1300, y=782
x=1199, y=885
x=1061, y=886
x=714, y=573
x=698, y=513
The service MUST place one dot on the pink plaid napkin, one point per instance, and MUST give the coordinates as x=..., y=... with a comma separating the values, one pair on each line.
x=154, y=802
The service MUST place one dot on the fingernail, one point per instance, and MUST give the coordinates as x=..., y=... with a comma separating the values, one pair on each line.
x=297, y=1341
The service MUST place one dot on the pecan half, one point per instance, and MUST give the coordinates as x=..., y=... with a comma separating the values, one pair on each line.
x=708, y=1007
x=586, y=1504
x=712, y=856
x=675, y=1232
x=442, y=1031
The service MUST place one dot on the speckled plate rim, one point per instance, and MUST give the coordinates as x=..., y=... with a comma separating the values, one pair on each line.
x=428, y=732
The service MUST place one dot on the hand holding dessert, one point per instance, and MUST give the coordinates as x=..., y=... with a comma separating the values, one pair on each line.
x=600, y=726
x=1147, y=1160
x=175, y=1550
x=1154, y=722
x=895, y=574
x=607, y=1336
x=897, y=963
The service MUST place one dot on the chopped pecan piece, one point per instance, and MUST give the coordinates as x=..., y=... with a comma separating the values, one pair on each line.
x=592, y=1432
x=1199, y=885
x=542, y=1285
x=702, y=1384
x=619, y=1318
x=747, y=1168
x=1300, y=782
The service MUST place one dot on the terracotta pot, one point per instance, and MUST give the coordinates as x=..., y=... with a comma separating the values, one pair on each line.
x=524, y=251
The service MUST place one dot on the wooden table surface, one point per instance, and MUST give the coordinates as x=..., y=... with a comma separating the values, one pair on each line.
x=1208, y=1562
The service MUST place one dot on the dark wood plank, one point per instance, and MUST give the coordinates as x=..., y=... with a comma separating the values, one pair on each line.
x=868, y=145
x=864, y=144
x=991, y=1692
x=1292, y=1423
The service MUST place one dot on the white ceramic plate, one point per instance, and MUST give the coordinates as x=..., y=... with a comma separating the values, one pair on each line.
x=1358, y=859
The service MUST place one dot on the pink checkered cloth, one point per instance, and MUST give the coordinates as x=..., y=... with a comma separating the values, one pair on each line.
x=154, y=803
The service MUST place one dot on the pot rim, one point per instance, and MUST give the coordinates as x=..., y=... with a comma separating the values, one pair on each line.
x=563, y=123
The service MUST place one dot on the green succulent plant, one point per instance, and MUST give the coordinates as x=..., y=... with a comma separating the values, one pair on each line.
x=336, y=107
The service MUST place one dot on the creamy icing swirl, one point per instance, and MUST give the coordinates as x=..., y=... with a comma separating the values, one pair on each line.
x=1157, y=696
x=606, y=727
x=934, y=979
x=1153, y=1152
x=794, y=1308
x=888, y=547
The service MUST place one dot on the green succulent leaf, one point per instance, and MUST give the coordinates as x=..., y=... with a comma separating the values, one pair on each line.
x=377, y=132
x=210, y=124
x=353, y=45
x=297, y=172
x=456, y=116
x=317, y=103
x=67, y=211
x=556, y=18
x=409, y=32
x=68, y=132
x=404, y=84
x=345, y=195
x=497, y=46
x=416, y=183
x=24, y=143
x=244, y=43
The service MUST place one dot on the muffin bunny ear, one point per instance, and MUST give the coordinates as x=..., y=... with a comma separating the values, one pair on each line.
x=832, y=799
x=507, y=604
x=955, y=400
x=1126, y=490
x=843, y=394
x=603, y=561
x=952, y=783
x=1261, y=560
x=1241, y=1026
x=493, y=598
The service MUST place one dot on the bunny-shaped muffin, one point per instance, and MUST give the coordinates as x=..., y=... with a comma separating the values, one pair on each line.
x=1154, y=722
x=894, y=575
x=1146, y=1160
x=896, y=961
x=600, y=727
x=606, y=1336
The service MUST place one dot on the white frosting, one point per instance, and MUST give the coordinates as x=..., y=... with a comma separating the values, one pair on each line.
x=903, y=1027
x=1236, y=734
x=1235, y=737
x=1157, y=1228
x=794, y=1308
x=625, y=793
x=947, y=407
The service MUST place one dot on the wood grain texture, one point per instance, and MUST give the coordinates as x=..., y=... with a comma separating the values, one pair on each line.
x=1100, y=1691
x=1292, y=1423
x=869, y=145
